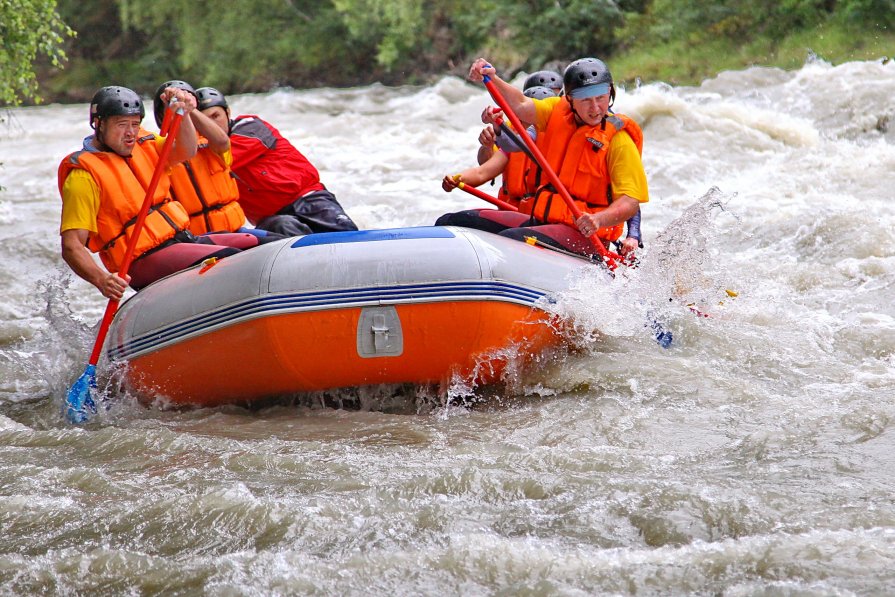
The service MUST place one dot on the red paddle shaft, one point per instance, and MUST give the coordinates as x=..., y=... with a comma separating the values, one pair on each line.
x=112, y=307
x=610, y=258
x=485, y=196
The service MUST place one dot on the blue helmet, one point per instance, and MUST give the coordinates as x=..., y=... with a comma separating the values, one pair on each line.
x=588, y=77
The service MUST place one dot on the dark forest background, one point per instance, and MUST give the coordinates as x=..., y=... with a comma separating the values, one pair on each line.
x=256, y=45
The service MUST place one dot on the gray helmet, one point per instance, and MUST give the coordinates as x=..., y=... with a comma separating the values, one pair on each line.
x=588, y=77
x=543, y=78
x=209, y=97
x=158, y=106
x=115, y=101
x=539, y=92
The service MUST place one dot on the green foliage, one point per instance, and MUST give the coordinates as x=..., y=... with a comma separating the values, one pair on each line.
x=705, y=21
x=874, y=14
x=564, y=29
x=235, y=46
x=254, y=45
x=679, y=62
x=28, y=29
x=394, y=27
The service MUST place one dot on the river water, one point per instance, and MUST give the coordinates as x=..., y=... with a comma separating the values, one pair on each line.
x=754, y=457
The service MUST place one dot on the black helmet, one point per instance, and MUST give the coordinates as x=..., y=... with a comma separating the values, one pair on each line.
x=158, y=106
x=209, y=97
x=543, y=78
x=588, y=77
x=539, y=92
x=115, y=101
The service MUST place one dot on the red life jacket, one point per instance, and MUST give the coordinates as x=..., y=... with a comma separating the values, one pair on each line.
x=204, y=187
x=578, y=155
x=269, y=171
x=122, y=186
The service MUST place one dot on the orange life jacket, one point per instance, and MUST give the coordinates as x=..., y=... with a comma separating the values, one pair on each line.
x=122, y=186
x=578, y=155
x=514, y=180
x=204, y=187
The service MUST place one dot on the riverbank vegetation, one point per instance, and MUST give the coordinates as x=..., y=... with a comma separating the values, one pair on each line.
x=255, y=45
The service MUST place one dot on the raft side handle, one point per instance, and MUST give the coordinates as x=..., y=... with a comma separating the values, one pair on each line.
x=379, y=332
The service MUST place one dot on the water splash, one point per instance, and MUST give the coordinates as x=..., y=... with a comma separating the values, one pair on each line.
x=680, y=261
x=48, y=360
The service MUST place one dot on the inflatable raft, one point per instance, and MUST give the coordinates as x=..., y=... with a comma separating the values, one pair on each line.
x=331, y=310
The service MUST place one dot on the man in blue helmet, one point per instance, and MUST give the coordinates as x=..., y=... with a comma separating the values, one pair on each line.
x=595, y=153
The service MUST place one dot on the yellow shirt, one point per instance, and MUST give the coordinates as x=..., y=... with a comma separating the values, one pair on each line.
x=80, y=202
x=228, y=157
x=625, y=166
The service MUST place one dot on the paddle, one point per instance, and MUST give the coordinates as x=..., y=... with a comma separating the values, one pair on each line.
x=166, y=123
x=511, y=135
x=609, y=258
x=79, y=403
x=485, y=196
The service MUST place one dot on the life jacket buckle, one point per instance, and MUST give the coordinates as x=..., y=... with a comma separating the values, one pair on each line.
x=595, y=145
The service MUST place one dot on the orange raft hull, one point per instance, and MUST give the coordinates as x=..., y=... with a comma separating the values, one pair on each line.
x=310, y=351
x=423, y=305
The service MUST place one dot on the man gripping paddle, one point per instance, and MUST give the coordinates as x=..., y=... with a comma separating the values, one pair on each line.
x=103, y=187
x=594, y=152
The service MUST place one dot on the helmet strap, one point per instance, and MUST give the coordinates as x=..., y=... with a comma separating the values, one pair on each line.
x=572, y=108
x=98, y=135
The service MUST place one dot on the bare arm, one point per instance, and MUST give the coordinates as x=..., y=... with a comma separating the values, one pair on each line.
x=523, y=106
x=478, y=174
x=492, y=168
x=218, y=140
x=187, y=142
x=79, y=259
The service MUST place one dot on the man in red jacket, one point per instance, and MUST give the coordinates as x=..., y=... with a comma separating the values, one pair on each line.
x=279, y=189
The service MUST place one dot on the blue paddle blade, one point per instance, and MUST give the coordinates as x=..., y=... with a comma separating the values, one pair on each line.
x=663, y=336
x=664, y=339
x=79, y=404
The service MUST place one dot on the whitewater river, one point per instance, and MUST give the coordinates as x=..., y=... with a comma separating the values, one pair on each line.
x=756, y=456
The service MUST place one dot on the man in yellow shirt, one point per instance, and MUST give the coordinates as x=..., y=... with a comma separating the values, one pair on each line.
x=104, y=185
x=595, y=153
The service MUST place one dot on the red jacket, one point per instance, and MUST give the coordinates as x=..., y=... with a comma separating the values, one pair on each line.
x=269, y=171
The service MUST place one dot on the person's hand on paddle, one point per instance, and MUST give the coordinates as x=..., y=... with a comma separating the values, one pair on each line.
x=113, y=286
x=627, y=248
x=492, y=116
x=450, y=182
x=481, y=68
x=588, y=224
x=181, y=99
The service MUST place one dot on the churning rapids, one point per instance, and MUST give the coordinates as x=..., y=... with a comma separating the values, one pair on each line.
x=756, y=456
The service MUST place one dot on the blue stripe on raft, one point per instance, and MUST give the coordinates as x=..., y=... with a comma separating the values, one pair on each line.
x=365, y=236
x=329, y=299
